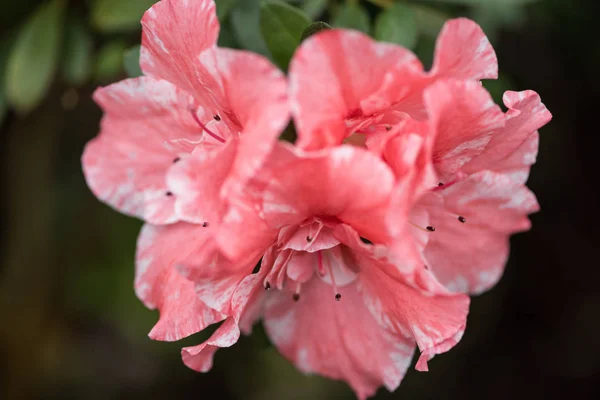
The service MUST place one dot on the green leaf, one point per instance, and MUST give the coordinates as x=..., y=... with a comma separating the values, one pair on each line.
x=477, y=2
x=118, y=15
x=131, y=62
x=397, y=25
x=352, y=16
x=77, y=59
x=429, y=21
x=34, y=57
x=224, y=7
x=314, y=8
x=313, y=28
x=109, y=62
x=245, y=21
x=282, y=26
x=5, y=48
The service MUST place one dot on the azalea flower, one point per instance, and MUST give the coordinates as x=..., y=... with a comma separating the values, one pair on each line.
x=193, y=97
x=475, y=159
x=227, y=107
x=331, y=303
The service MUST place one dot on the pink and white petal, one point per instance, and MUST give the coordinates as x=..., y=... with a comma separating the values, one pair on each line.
x=513, y=148
x=463, y=116
x=159, y=285
x=435, y=319
x=339, y=340
x=196, y=182
x=235, y=238
x=337, y=75
x=470, y=257
x=174, y=33
x=463, y=52
x=301, y=266
x=255, y=93
x=126, y=164
x=245, y=309
x=346, y=182
x=200, y=357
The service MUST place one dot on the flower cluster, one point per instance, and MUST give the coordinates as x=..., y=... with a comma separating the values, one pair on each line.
x=355, y=245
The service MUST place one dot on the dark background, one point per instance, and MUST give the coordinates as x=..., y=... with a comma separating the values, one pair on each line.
x=72, y=328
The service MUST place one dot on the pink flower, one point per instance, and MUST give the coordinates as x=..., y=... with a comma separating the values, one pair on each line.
x=225, y=108
x=365, y=87
x=474, y=159
x=482, y=158
x=333, y=305
x=194, y=97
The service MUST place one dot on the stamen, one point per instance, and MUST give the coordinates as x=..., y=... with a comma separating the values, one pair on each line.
x=204, y=224
x=308, y=239
x=267, y=285
x=296, y=295
x=169, y=194
x=320, y=267
x=440, y=184
x=337, y=295
x=426, y=267
x=462, y=219
x=217, y=137
x=177, y=159
x=427, y=228
x=216, y=117
x=388, y=127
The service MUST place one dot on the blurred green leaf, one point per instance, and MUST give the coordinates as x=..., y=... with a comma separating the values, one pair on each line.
x=34, y=57
x=226, y=36
x=314, y=8
x=428, y=20
x=245, y=21
x=475, y=2
x=131, y=62
x=397, y=25
x=224, y=7
x=118, y=15
x=77, y=61
x=313, y=28
x=352, y=16
x=109, y=62
x=282, y=26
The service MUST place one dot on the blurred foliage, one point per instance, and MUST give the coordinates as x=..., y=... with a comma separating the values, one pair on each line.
x=73, y=327
x=34, y=46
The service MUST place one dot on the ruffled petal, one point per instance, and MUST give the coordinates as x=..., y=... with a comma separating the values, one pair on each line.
x=512, y=149
x=174, y=34
x=126, y=164
x=338, y=75
x=345, y=182
x=245, y=310
x=435, y=318
x=463, y=51
x=470, y=256
x=339, y=340
x=159, y=285
x=463, y=116
x=196, y=182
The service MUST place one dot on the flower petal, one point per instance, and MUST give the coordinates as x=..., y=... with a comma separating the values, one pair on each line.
x=463, y=116
x=196, y=182
x=159, y=285
x=245, y=307
x=174, y=34
x=463, y=51
x=470, y=257
x=256, y=95
x=345, y=182
x=339, y=74
x=513, y=148
x=126, y=164
x=435, y=320
x=339, y=340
